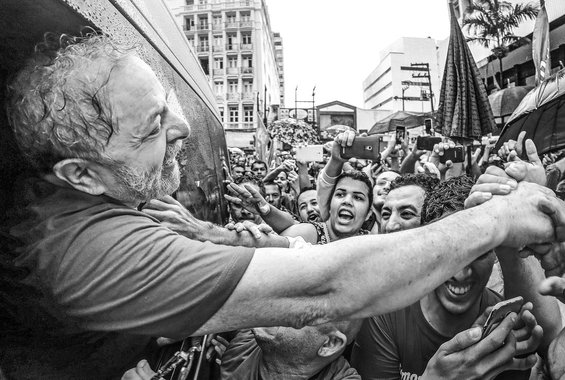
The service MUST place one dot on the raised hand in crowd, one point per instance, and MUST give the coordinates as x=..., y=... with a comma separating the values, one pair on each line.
x=251, y=199
x=447, y=169
x=466, y=356
x=247, y=197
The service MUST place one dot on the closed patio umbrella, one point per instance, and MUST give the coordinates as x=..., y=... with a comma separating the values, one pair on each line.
x=464, y=111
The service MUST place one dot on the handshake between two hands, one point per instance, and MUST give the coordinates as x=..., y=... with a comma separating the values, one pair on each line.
x=527, y=179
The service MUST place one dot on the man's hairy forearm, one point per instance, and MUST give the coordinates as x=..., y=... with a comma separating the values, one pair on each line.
x=206, y=231
x=357, y=277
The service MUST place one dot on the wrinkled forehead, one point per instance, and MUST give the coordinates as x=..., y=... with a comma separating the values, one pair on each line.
x=405, y=196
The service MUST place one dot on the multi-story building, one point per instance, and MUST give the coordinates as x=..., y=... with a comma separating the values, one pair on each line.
x=280, y=63
x=236, y=49
x=406, y=78
x=518, y=67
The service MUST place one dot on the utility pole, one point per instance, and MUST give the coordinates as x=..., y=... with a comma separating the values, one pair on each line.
x=426, y=67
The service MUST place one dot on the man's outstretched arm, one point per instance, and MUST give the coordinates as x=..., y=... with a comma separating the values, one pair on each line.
x=369, y=275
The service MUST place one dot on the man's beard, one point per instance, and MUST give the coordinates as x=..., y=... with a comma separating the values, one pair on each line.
x=136, y=185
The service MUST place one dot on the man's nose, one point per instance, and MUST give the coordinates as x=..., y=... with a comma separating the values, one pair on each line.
x=178, y=128
x=463, y=274
x=393, y=225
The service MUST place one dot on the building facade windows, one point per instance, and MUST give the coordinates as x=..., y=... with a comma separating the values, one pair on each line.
x=248, y=114
x=234, y=115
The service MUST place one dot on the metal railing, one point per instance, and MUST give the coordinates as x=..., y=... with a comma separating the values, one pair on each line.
x=233, y=71
x=246, y=46
x=234, y=96
x=203, y=48
x=218, y=47
x=218, y=71
x=247, y=70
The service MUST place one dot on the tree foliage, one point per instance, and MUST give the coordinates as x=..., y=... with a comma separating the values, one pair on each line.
x=491, y=23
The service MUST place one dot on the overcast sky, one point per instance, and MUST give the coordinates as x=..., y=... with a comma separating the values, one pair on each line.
x=335, y=44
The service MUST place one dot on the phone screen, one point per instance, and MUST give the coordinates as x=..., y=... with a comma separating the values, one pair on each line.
x=400, y=134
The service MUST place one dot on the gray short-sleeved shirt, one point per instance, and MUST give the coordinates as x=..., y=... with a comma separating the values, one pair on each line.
x=91, y=276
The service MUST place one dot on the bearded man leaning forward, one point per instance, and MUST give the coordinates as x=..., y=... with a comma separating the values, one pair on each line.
x=93, y=278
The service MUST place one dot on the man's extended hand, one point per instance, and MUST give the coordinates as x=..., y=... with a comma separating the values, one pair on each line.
x=466, y=356
x=173, y=215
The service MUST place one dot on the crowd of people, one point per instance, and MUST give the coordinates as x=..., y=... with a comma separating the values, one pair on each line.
x=350, y=269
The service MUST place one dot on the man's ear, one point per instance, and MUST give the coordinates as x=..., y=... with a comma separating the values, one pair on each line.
x=81, y=174
x=335, y=342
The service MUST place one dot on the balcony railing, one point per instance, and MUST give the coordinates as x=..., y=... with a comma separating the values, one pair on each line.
x=246, y=24
x=203, y=48
x=217, y=27
x=204, y=6
x=246, y=46
x=203, y=26
x=218, y=48
x=233, y=97
x=247, y=70
x=233, y=71
x=231, y=47
x=218, y=72
x=232, y=25
x=242, y=125
x=220, y=97
x=248, y=96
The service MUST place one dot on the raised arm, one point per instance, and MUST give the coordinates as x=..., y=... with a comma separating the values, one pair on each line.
x=327, y=176
x=253, y=201
x=321, y=283
x=521, y=278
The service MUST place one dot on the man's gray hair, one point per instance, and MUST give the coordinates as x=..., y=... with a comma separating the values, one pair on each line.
x=56, y=104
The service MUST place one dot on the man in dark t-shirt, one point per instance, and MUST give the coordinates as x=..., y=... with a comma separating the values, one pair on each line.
x=407, y=344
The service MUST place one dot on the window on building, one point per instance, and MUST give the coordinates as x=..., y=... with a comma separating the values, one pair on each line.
x=247, y=61
x=219, y=87
x=189, y=23
x=248, y=86
x=203, y=22
x=221, y=114
x=232, y=62
x=245, y=16
x=218, y=63
x=246, y=38
x=189, y=2
x=203, y=41
x=218, y=41
x=231, y=40
x=232, y=86
x=191, y=41
x=248, y=114
x=230, y=18
x=217, y=20
x=234, y=115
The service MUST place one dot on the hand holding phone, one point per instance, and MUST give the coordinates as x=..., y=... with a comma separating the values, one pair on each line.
x=427, y=142
x=455, y=154
x=363, y=147
x=499, y=312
